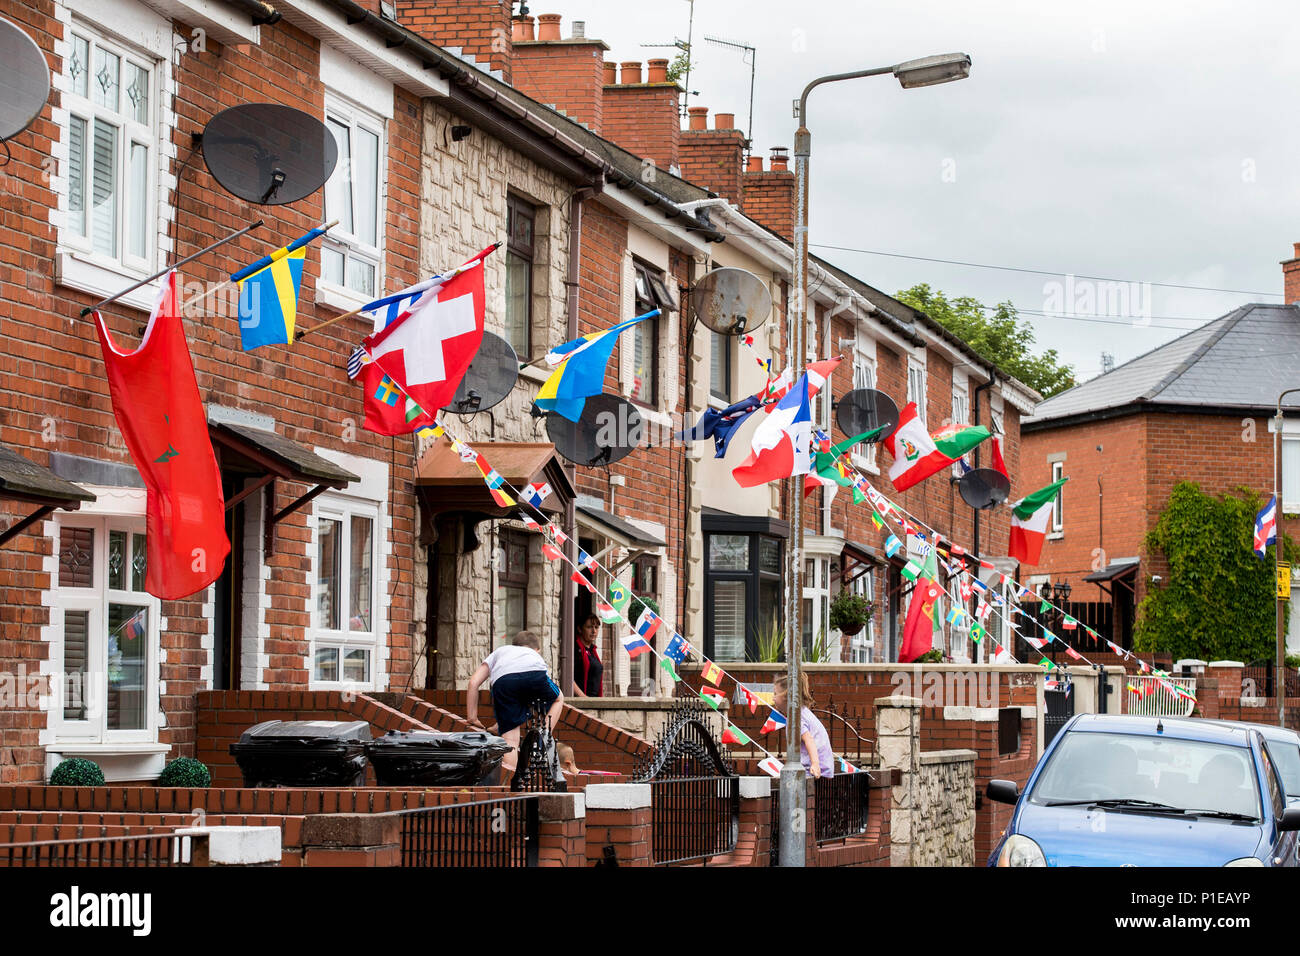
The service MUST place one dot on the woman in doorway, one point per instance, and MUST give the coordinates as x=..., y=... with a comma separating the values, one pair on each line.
x=587, y=668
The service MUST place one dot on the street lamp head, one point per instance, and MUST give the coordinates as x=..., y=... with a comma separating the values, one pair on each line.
x=933, y=70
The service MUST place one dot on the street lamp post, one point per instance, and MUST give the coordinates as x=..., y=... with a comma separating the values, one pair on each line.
x=1279, y=680
x=913, y=74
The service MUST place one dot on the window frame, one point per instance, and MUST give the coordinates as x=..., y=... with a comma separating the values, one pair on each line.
x=96, y=600
x=507, y=538
x=916, y=383
x=129, y=132
x=346, y=242
x=517, y=205
x=343, y=510
x=864, y=376
x=648, y=329
x=721, y=344
x=1058, y=519
x=753, y=577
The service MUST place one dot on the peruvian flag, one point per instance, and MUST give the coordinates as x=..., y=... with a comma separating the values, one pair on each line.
x=918, y=631
x=1030, y=519
x=781, y=444
x=917, y=455
x=417, y=362
x=158, y=410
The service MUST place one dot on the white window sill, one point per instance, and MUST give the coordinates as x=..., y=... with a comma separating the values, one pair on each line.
x=1056, y=536
x=536, y=373
x=862, y=464
x=87, y=273
x=655, y=417
x=717, y=403
x=338, y=298
x=346, y=688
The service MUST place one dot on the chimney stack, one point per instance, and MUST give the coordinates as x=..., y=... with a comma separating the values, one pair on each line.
x=568, y=74
x=769, y=196
x=481, y=29
x=643, y=117
x=1291, y=277
x=711, y=157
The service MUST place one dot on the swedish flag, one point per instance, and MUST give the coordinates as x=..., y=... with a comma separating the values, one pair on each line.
x=268, y=294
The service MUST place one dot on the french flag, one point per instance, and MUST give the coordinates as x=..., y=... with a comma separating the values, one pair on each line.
x=781, y=445
x=1266, y=527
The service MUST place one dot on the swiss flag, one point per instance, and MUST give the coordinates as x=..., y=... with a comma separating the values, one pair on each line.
x=424, y=353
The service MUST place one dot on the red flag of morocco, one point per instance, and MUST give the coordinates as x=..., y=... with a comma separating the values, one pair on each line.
x=157, y=407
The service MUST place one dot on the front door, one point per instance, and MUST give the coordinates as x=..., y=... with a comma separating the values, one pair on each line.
x=228, y=613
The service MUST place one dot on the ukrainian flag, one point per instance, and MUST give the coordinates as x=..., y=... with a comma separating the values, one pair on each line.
x=268, y=294
x=580, y=370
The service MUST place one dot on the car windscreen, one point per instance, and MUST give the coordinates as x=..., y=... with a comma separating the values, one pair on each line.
x=1186, y=774
x=1287, y=757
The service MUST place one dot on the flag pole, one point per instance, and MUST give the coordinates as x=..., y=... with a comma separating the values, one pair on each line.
x=227, y=281
x=162, y=272
x=302, y=333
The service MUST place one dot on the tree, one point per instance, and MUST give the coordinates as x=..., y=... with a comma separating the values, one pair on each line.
x=1218, y=603
x=999, y=336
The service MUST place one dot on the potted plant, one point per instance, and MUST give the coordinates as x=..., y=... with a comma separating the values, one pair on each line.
x=850, y=612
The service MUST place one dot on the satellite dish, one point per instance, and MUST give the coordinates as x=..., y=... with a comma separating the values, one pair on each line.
x=24, y=80
x=864, y=409
x=606, y=431
x=731, y=301
x=984, y=487
x=269, y=154
x=489, y=378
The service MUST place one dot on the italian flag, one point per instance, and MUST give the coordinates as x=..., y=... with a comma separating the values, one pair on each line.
x=1030, y=520
x=918, y=454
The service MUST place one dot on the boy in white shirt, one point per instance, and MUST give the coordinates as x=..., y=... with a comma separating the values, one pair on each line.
x=518, y=677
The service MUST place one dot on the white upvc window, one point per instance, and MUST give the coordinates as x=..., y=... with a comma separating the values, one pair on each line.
x=106, y=647
x=111, y=96
x=916, y=386
x=862, y=643
x=345, y=635
x=352, y=253
x=864, y=376
x=1290, y=473
x=960, y=406
x=1058, y=519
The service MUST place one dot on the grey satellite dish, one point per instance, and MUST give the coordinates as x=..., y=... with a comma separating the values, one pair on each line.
x=983, y=488
x=608, y=429
x=24, y=80
x=865, y=409
x=489, y=378
x=731, y=301
x=269, y=154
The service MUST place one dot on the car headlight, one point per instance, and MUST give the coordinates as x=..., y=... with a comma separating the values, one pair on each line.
x=1245, y=861
x=1022, y=851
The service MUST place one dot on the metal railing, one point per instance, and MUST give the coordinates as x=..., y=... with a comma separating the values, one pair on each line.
x=1155, y=700
x=154, y=849
x=1257, y=680
x=841, y=806
x=486, y=833
x=693, y=818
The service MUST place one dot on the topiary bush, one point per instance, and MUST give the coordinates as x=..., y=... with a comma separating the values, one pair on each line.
x=77, y=772
x=185, y=772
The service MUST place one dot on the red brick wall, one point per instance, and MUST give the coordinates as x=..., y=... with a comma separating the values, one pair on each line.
x=55, y=368
x=627, y=831
x=643, y=119
x=711, y=158
x=568, y=75
x=480, y=28
x=769, y=200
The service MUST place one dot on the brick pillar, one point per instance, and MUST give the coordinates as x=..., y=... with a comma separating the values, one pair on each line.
x=352, y=839
x=898, y=744
x=1228, y=674
x=754, y=843
x=618, y=816
x=561, y=830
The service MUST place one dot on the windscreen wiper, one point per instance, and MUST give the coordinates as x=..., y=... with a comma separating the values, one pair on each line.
x=1223, y=815
x=1116, y=803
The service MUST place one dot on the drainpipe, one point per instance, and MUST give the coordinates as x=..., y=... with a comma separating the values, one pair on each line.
x=567, y=593
x=993, y=379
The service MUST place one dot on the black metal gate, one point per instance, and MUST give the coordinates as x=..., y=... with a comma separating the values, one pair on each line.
x=694, y=790
x=1059, y=706
x=538, y=767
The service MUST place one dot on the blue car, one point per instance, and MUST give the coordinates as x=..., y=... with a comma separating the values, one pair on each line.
x=1116, y=790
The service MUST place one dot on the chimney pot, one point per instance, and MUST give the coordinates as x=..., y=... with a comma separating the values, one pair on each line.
x=579, y=29
x=521, y=29
x=611, y=73
x=755, y=164
x=780, y=158
x=630, y=72
x=699, y=117
x=724, y=120
x=548, y=27
x=656, y=71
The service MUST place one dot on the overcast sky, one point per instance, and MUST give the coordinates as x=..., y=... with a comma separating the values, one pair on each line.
x=1130, y=139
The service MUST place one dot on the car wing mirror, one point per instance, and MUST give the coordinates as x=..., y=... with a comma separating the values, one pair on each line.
x=1006, y=791
x=1290, y=819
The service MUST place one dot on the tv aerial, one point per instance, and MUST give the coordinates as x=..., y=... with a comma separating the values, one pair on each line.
x=750, y=55
x=269, y=154
x=607, y=431
x=731, y=301
x=488, y=380
x=24, y=81
x=983, y=488
x=865, y=409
